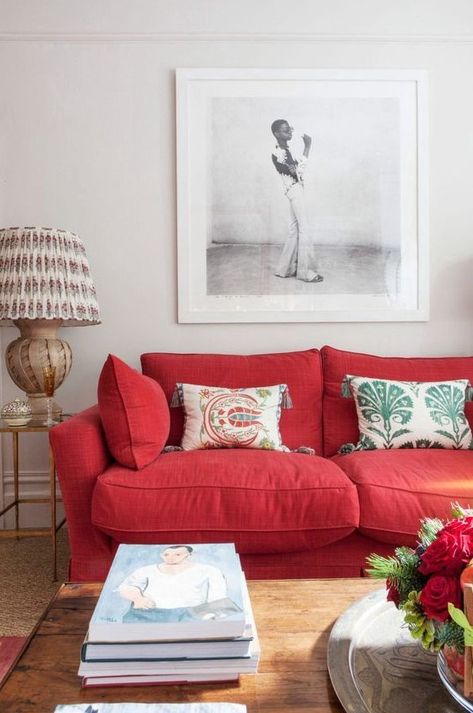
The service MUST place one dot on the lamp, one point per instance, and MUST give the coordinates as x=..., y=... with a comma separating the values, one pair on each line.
x=45, y=282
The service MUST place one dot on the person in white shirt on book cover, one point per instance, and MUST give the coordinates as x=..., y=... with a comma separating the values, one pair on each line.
x=297, y=258
x=169, y=590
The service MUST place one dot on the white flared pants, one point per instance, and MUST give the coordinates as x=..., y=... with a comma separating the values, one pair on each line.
x=296, y=257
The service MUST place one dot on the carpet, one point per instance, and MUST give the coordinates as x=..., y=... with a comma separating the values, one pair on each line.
x=26, y=585
x=26, y=588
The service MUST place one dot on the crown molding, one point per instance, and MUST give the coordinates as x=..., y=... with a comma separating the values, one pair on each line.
x=156, y=37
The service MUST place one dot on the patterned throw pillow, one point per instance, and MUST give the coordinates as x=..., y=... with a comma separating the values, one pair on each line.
x=410, y=414
x=232, y=418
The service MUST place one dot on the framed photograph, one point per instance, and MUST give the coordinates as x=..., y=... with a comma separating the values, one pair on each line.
x=302, y=195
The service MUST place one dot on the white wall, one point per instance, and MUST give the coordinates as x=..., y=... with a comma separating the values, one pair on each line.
x=87, y=142
x=353, y=168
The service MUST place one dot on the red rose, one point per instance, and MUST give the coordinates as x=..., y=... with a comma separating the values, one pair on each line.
x=451, y=550
x=393, y=593
x=437, y=593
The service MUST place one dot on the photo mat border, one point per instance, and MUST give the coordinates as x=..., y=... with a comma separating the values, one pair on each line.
x=195, y=306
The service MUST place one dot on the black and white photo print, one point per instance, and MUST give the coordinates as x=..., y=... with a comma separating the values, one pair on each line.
x=304, y=196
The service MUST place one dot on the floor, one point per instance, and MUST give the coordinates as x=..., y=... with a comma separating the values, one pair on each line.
x=249, y=270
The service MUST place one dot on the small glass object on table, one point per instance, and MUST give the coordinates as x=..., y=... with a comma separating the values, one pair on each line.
x=450, y=674
x=49, y=382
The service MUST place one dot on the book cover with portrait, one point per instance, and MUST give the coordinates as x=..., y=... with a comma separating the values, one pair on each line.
x=171, y=592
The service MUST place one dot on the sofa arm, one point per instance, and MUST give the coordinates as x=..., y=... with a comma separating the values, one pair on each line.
x=81, y=454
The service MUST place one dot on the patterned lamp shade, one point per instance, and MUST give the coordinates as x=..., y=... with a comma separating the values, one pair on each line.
x=45, y=283
x=44, y=274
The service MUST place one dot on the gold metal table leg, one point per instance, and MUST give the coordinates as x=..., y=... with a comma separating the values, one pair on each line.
x=16, y=479
x=53, y=526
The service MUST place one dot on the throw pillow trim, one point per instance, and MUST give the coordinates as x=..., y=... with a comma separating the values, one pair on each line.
x=303, y=450
x=177, y=398
x=125, y=411
x=347, y=393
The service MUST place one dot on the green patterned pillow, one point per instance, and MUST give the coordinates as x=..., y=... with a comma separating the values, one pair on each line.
x=410, y=414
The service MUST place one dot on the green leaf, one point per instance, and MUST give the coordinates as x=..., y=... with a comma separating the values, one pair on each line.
x=401, y=570
x=429, y=528
x=382, y=567
x=367, y=443
x=450, y=634
x=446, y=434
x=400, y=432
x=458, y=511
x=382, y=400
x=459, y=618
x=446, y=403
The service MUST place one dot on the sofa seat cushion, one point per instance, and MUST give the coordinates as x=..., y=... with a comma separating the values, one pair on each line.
x=262, y=501
x=397, y=488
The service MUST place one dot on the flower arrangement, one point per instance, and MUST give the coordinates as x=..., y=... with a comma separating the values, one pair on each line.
x=427, y=583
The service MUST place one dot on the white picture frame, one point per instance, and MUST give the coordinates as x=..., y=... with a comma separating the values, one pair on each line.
x=364, y=188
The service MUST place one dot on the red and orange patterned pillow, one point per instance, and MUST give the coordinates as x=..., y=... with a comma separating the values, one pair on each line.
x=216, y=417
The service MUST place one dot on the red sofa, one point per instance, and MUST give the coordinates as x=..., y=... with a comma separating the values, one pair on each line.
x=290, y=515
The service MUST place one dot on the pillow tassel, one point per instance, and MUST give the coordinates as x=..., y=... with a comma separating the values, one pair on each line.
x=345, y=388
x=346, y=449
x=176, y=399
x=304, y=450
x=469, y=392
x=286, y=401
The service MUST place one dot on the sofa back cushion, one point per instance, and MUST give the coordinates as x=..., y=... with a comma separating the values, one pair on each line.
x=134, y=414
x=300, y=425
x=339, y=413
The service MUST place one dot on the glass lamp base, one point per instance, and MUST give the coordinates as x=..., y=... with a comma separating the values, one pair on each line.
x=49, y=418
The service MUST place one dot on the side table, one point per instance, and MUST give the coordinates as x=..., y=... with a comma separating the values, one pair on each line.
x=36, y=425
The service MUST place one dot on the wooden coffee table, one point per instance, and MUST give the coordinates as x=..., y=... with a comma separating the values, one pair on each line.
x=294, y=618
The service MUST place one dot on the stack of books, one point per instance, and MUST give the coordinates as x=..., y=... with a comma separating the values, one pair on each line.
x=171, y=614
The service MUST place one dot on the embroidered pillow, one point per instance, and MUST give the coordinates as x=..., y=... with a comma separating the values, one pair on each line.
x=410, y=414
x=231, y=418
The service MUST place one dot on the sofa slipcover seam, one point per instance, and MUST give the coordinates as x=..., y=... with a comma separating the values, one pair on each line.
x=227, y=529
x=125, y=410
x=372, y=528
x=225, y=487
x=405, y=490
